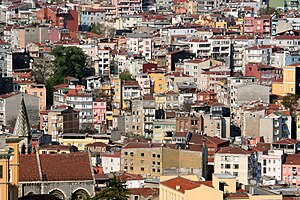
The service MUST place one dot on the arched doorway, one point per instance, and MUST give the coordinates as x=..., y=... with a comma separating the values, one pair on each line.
x=80, y=195
x=57, y=194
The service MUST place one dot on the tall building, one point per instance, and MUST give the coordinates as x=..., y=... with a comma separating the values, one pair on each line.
x=127, y=7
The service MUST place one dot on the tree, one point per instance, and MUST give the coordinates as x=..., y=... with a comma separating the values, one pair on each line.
x=125, y=75
x=69, y=61
x=116, y=191
x=290, y=101
x=102, y=29
x=41, y=70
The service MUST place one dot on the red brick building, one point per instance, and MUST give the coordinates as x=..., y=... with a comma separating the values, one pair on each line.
x=59, y=17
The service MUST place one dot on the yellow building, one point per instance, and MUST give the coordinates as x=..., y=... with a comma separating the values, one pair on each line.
x=157, y=78
x=54, y=149
x=38, y=90
x=185, y=189
x=9, y=167
x=160, y=101
x=154, y=160
x=221, y=25
x=80, y=140
x=289, y=82
x=224, y=182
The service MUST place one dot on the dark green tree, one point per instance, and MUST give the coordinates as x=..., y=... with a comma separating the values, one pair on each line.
x=41, y=70
x=116, y=191
x=290, y=101
x=125, y=75
x=69, y=61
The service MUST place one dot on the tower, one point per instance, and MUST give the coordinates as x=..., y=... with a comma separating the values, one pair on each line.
x=22, y=129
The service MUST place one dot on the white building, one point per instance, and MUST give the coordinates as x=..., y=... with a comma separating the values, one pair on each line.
x=140, y=43
x=111, y=162
x=237, y=162
x=271, y=164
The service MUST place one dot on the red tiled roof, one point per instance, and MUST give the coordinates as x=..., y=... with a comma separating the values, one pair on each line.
x=56, y=167
x=237, y=196
x=257, y=47
x=97, y=144
x=181, y=184
x=233, y=150
x=286, y=141
x=129, y=177
x=287, y=37
x=116, y=154
x=292, y=159
x=145, y=192
x=7, y=95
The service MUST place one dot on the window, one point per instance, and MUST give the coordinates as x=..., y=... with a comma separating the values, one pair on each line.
x=235, y=166
x=142, y=154
x=158, y=156
x=142, y=169
x=1, y=171
x=153, y=155
x=142, y=161
x=126, y=153
x=153, y=170
x=264, y=170
x=131, y=168
x=235, y=174
x=264, y=162
x=222, y=166
x=227, y=166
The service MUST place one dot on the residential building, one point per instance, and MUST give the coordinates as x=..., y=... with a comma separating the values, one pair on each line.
x=9, y=108
x=289, y=83
x=289, y=146
x=140, y=43
x=272, y=164
x=185, y=189
x=130, y=90
x=163, y=129
x=99, y=111
x=237, y=162
x=59, y=17
x=58, y=120
x=154, y=159
x=127, y=7
x=290, y=170
x=111, y=162
x=38, y=90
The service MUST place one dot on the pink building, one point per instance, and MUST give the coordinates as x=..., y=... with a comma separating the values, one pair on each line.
x=99, y=111
x=271, y=164
x=144, y=82
x=258, y=25
x=291, y=170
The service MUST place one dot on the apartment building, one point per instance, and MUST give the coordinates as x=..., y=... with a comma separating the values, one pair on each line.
x=192, y=122
x=137, y=117
x=130, y=90
x=237, y=162
x=148, y=114
x=272, y=164
x=59, y=17
x=9, y=108
x=140, y=43
x=163, y=130
x=99, y=111
x=38, y=90
x=258, y=25
x=259, y=54
x=186, y=189
x=111, y=162
x=291, y=169
x=127, y=7
x=154, y=159
x=58, y=120
x=22, y=36
x=289, y=83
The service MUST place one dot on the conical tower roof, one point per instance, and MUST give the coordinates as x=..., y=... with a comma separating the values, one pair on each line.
x=22, y=124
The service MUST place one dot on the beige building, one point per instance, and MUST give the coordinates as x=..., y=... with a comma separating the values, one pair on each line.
x=21, y=36
x=154, y=160
x=238, y=162
x=185, y=189
x=38, y=90
x=58, y=120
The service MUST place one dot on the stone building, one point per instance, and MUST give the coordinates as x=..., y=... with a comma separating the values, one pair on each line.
x=65, y=176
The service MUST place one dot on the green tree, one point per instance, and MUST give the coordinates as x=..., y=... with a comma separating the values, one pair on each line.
x=69, y=61
x=125, y=75
x=290, y=101
x=116, y=191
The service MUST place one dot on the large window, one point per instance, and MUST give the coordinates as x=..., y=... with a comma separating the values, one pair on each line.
x=1, y=171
